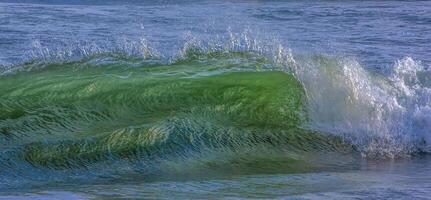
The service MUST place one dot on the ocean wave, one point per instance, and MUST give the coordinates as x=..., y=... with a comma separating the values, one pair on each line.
x=229, y=104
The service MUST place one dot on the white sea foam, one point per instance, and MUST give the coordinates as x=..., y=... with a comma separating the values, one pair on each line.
x=381, y=115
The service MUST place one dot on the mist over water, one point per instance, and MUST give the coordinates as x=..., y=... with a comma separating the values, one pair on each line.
x=195, y=95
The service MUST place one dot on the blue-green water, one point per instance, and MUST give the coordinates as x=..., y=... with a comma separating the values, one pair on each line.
x=215, y=99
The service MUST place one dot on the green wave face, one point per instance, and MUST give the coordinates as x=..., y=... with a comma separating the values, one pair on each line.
x=218, y=113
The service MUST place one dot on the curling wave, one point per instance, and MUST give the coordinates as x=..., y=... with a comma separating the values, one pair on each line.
x=234, y=105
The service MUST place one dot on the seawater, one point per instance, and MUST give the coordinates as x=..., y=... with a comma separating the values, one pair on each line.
x=215, y=99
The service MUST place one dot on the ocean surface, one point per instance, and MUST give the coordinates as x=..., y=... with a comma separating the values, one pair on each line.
x=215, y=99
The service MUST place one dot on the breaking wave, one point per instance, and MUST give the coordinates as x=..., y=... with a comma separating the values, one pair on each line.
x=229, y=105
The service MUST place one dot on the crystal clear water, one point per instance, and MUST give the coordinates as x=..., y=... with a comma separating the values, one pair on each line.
x=215, y=99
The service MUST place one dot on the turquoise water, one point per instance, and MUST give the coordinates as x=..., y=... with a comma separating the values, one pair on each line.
x=205, y=99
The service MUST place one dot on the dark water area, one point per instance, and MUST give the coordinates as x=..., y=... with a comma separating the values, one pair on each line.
x=400, y=179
